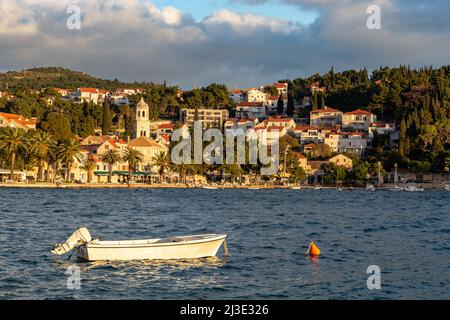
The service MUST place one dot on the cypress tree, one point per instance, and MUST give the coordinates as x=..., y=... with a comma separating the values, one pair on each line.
x=280, y=105
x=107, y=120
x=290, y=106
x=402, y=143
x=196, y=116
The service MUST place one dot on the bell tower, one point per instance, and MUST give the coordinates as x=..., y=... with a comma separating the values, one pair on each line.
x=142, y=120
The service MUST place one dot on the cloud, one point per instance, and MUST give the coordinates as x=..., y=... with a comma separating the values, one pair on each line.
x=135, y=40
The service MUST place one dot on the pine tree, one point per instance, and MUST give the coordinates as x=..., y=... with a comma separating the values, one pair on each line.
x=107, y=120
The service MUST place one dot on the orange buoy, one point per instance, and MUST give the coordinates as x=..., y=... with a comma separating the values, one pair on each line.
x=313, y=250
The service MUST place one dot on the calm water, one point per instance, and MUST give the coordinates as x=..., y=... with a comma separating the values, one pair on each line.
x=406, y=234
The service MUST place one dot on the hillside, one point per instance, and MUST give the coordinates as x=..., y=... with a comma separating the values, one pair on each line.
x=38, y=78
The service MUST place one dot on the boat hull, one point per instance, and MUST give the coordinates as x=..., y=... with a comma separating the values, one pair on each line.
x=154, y=250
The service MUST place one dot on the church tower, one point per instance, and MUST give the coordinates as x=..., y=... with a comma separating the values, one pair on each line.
x=142, y=120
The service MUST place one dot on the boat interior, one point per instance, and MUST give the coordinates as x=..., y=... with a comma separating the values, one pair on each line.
x=155, y=241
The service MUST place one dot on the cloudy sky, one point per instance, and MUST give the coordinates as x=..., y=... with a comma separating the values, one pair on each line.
x=237, y=42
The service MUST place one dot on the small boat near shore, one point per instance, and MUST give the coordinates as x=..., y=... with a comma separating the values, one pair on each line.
x=175, y=248
x=209, y=188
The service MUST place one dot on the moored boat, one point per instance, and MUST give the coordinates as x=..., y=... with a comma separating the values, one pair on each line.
x=175, y=248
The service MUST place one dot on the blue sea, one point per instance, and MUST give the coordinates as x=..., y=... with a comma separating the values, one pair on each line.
x=406, y=234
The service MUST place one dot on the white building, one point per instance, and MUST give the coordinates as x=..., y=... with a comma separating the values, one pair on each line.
x=358, y=119
x=272, y=104
x=381, y=128
x=9, y=120
x=308, y=134
x=250, y=110
x=351, y=142
x=141, y=122
x=326, y=117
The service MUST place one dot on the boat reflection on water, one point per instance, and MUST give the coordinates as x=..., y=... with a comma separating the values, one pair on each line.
x=210, y=263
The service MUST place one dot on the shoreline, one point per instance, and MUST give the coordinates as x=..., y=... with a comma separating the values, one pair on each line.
x=427, y=187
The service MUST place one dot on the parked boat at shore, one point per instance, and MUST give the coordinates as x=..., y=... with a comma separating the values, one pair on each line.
x=175, y=248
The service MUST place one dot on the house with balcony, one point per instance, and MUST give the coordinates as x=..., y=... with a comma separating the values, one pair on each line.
x=250, y=110
x=350, y=142
x=210, y=118
x=326, y=117
x=358, y=120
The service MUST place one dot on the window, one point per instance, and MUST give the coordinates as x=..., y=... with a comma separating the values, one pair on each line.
x=143, y=114
x=139, y=114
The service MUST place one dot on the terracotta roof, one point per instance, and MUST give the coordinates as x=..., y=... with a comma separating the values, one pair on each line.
x=359, y=112
x=144, y=142
x=88, y=90
x=275, y=128
x=279, y=119
x=236, y=91
x=299, y=155
x=250, y=104
x=280, y=85
x=326, y=109
x=94, y=140
x=306, y=128
x=166, y=126
x=23, y=121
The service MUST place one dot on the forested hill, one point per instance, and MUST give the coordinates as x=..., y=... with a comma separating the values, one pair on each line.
x=38, y=78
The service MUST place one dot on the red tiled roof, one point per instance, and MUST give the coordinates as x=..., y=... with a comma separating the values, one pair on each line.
x=275, y=128
x=166, y=126
x=88, y=90
x=305, y=128
x=299, y=155
x=19, y=119
x=280, y=85
x=277, y=119
x=359, y=112
x=328, y=109
x=250, y=104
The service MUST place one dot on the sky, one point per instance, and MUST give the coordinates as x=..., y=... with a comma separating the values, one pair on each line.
x=241, y=43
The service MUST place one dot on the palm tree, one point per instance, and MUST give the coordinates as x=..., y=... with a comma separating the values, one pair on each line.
x=89, y=167
x=40, y=146
x=162, y=161
x=133, y=157
x=70, y=151
x=54, y=158
x=111, y=158
x=13, y=140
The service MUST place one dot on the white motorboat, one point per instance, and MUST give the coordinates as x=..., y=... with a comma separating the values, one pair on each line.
x=447, y=187
x=370, y=187
x=210, y=188
x=413, y=189
x=176, y=248
x=296, y=188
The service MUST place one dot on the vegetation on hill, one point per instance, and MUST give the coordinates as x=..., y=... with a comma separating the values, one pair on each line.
x=416, y=100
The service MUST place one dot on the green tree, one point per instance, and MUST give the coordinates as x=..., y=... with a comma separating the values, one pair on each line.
x=13, y=141
x=280, y=104
x=107, y=119
x=133, y=157
x=111, y=157
x=89, y=166
x=41, y=142
x=290, y=106
x=70, y=151
x=58, y=125
x=163, y=162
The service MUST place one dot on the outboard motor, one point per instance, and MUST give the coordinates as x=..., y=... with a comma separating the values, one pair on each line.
x=78, y=238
